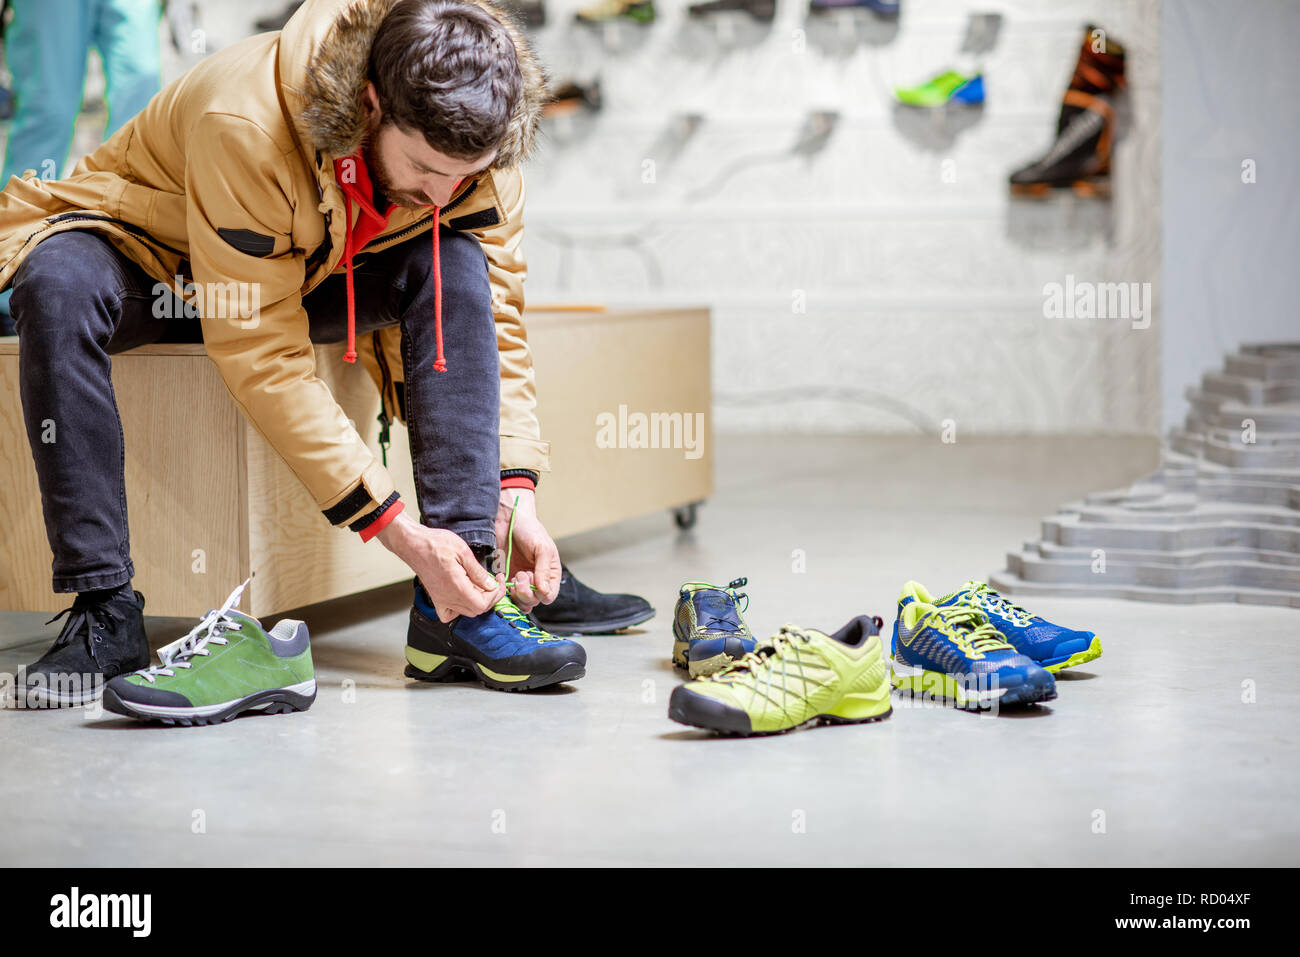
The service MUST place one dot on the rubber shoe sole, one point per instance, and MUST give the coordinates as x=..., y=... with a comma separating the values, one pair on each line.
x=733, y=650
x=606, y=627
x=42, y=697
x=297, y=697
x=940, y=687
x=1091, y=653
x=427, y=666
x=700, y=711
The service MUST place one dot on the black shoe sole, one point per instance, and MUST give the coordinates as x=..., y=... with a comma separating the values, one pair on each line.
x=698, y=711
x=606, y=627
x=464, y=669
x=264, y=702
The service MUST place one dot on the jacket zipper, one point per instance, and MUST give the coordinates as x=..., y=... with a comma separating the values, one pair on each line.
x=135, y=231
x=406, y=230
x=384, y=419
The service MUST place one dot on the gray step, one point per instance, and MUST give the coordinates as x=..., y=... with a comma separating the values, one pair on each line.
x=1012, y=584
x=1204, y=415
x=1184, y=556
x=1030, y=567
x=1183, y=510
x=1264, y=367
x=1248, y=391
x=1066, y=530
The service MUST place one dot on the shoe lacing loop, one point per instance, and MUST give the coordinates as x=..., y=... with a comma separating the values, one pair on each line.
x=207, y=631
x=970, y=629
x=85, y=622
x=757, y=660
x=507, y=609
x=710, y=625
x=980, y=592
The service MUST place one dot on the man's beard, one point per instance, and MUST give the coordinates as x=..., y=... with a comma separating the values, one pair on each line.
x=383, y=184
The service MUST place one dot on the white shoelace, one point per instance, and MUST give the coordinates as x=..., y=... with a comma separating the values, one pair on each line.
x=208, y=630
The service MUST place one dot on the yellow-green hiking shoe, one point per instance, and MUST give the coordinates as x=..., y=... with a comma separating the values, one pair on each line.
x=227, y=665
x=797, y=677
x=709, y=632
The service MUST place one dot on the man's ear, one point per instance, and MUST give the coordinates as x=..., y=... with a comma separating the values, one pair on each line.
x=370, y=103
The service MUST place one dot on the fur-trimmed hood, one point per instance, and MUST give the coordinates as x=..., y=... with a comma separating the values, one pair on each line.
x=324, y=53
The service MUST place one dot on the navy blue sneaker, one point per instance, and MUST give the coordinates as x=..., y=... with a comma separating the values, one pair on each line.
x=502, y=648
x=954, y=653
x=708, y=632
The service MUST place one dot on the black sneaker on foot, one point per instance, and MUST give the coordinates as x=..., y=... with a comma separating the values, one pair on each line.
x=579, y=610
x=100, y=640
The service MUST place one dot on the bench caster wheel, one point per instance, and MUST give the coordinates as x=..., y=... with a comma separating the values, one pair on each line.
x=685, y=515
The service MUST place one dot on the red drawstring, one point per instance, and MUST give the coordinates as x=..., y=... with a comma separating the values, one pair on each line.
x=439, y=363
x=351, y=354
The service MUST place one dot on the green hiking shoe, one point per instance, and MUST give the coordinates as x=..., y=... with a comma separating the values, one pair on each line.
x=226, y=665
x=797, y=677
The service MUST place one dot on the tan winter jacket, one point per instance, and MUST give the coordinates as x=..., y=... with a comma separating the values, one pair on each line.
x=227, y=178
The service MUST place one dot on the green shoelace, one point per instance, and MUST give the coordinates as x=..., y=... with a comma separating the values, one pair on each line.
x=970, y=628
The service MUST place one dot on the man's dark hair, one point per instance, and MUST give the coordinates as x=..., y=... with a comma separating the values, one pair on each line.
x=448, y=70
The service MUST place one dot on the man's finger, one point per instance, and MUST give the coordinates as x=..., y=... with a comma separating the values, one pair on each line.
x=522, y=591
x=478, y=575
x=548, y=572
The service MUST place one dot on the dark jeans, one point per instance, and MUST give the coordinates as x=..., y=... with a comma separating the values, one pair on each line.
x=77, y=301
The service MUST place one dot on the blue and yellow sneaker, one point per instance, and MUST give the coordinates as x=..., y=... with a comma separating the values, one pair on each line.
x=502, y=648
x=1052, y=646
x=956, y=654
x=708, y=631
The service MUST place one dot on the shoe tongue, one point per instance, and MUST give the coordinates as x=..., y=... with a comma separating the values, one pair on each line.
x=719, y=607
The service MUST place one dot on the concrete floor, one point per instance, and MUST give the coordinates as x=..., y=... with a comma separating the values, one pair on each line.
x=1153, y=740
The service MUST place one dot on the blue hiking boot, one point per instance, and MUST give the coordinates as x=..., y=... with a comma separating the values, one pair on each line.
x=708, y=631
x=502, y=648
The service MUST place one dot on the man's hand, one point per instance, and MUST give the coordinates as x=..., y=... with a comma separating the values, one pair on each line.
x=535, y=559
x=446, y=567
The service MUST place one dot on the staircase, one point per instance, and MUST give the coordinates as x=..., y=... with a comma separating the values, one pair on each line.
x=1220, y=519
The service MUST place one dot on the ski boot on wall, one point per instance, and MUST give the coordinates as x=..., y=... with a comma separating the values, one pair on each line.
x=764, y=11
x=1080, y=157
x=604, y=11
x=881, y=8
x=569, y=98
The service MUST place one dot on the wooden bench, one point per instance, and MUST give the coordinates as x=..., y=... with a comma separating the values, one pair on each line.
x=210, y=501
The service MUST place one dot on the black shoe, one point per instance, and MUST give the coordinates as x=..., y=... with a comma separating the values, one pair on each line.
x=579, y=610
x=764, y=11
x=276, y=21
x=100, y=640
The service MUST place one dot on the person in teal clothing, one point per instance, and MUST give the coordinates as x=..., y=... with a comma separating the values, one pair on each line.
x=46, y=46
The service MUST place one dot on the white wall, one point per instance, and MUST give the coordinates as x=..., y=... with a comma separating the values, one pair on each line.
x=1231, y=248
x=924, y=298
